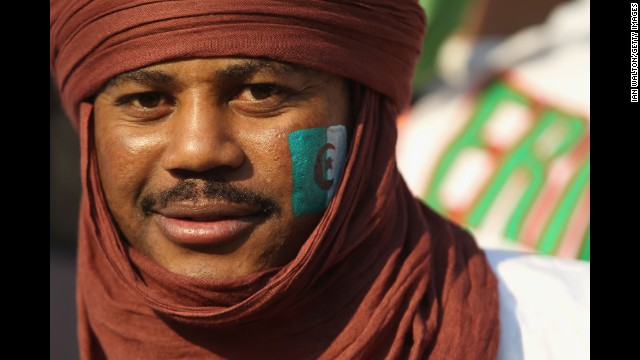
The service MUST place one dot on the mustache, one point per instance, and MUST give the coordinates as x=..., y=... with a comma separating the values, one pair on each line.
x=209, y=189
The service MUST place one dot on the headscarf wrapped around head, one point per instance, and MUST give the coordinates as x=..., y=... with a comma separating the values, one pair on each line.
x=376, y=43
x=381, y=276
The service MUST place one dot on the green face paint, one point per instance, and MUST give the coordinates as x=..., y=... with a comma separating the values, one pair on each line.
x=317, y=160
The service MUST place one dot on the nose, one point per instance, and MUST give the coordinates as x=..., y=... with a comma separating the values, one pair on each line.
x=200, y=139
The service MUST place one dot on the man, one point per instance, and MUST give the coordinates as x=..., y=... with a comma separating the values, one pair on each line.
x=206, y=194
x=240, y=193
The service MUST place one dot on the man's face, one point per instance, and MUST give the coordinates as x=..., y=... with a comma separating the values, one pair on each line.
x=195, y=163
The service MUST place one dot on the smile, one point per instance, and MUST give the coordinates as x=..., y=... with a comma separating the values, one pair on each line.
x=206, y=224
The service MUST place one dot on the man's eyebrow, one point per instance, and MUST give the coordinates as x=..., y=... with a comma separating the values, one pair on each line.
x=249, y=67
x=145, y=77
x=240, y=70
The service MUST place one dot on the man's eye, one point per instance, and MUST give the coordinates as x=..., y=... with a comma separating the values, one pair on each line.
x=148, y=100
x=257, y=92
x=146, y=105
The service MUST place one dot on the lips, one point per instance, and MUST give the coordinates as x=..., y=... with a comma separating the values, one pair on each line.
x=206, y=223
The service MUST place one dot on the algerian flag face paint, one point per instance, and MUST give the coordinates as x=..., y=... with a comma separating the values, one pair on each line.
x=317, y=161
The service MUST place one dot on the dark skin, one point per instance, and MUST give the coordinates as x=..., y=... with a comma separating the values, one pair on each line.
x=195, y=164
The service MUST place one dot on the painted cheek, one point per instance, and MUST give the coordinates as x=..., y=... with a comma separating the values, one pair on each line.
x=317, y=157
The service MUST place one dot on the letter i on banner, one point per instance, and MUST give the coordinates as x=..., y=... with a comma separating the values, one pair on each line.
x=317, y=160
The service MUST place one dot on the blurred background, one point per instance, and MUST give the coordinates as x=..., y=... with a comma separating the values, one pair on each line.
x=497, y=137
x=64, y=199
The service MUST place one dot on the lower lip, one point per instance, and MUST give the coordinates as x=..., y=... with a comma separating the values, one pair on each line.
x=204, y=232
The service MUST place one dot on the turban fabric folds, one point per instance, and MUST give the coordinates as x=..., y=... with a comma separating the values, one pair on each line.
x=381, y=276
x=372, y=42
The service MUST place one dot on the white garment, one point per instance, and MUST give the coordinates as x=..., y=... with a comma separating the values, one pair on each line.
x=544, y=306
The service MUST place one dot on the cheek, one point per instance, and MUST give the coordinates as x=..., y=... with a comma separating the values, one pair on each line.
x=125, y=162
x=298, y=166
x=268, y=152
x=272, y=164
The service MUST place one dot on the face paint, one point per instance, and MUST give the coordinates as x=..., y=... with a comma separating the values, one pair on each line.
x=317, y=160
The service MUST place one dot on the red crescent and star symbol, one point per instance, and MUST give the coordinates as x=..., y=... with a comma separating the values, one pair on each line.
x=321, y=163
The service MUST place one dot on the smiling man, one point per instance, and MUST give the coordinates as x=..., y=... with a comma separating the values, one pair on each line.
x=241, y=198
x=195, y=165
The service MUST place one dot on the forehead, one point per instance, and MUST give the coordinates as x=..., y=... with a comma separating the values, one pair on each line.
x=217, y=70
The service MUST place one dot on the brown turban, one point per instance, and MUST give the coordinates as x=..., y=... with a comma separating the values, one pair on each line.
x=376, y=43
x=381, y=276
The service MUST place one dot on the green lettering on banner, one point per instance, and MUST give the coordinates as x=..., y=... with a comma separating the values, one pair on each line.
x=585, y=252
x=524, y=157
x=487, y=103
x=559, y=220
x=520, y=158
x=554, y=134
